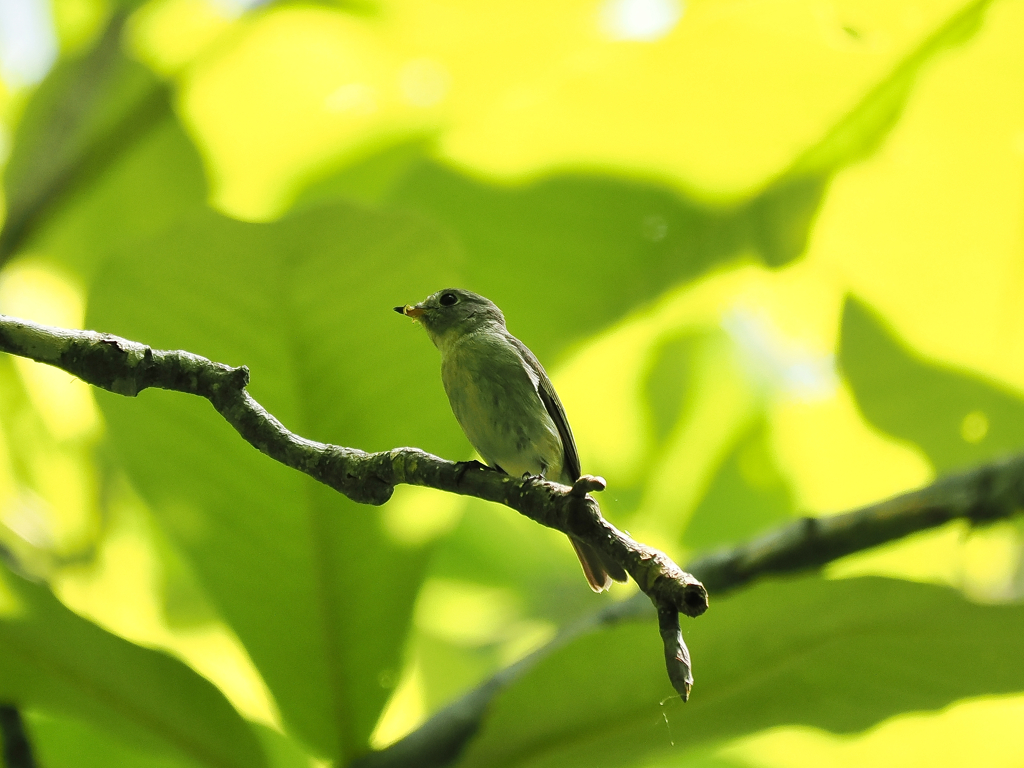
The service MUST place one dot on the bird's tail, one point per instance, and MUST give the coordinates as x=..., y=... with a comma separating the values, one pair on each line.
x=599, y=569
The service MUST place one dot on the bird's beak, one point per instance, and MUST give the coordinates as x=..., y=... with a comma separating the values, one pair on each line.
x=409, y=311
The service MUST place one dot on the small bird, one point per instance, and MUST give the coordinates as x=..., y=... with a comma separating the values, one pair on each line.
x=504, y=401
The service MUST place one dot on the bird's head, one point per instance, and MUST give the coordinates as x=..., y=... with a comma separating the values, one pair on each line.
x=452, y=313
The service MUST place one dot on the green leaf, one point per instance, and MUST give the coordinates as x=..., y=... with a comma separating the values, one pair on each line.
x=315, y=586
x=282, y=752
x=746, y=496
x=79, y=122
x=568, y=256
x=837, y=655
x=719, y=100
x=668, y=382
x=861, y=131
x=157, y=181
x=958, y=418
x=62, y=742
x=54, y=660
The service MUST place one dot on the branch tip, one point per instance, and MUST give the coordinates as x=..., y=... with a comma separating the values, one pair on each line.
x=677, y=655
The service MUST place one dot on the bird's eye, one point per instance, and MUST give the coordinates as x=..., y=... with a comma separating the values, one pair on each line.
x=448, y=299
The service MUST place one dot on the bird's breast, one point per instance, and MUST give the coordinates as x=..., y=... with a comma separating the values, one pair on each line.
x=495, y=400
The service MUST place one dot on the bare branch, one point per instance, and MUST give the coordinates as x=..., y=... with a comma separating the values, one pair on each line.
x=127, y=368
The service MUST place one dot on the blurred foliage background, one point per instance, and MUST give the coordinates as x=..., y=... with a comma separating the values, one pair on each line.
x=771, y=251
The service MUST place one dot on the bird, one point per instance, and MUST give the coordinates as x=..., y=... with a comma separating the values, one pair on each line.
x=504, y=401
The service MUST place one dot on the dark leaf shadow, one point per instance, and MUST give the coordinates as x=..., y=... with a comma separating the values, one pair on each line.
x=958, y=418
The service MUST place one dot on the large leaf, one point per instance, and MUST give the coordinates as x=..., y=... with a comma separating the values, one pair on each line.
x=63, y=742
x=53, y=659
x=314, y=586
x=661, y=90
x=838, y=655
x=957, y=417
x=584, y=250
x=717, y=101
x=155, y=182
x=927, y=230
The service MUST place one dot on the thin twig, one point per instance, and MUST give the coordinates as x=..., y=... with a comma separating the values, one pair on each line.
x=127, y=368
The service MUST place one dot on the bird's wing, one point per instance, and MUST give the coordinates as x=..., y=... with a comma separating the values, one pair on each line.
x=597, y=567
x=548, y=396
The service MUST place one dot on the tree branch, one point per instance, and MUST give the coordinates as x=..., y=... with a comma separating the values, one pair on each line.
x=982, y=495
x=127, y=368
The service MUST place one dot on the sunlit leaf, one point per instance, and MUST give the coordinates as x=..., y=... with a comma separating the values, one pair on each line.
x=717, y=98
x=926, y=230
x=331, y=92
x=59, y=662
x=746, y=496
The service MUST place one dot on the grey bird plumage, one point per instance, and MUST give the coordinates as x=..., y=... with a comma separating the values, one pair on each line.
x=504, y=401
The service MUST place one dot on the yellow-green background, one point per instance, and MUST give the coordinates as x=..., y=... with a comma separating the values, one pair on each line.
x=771, y=253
